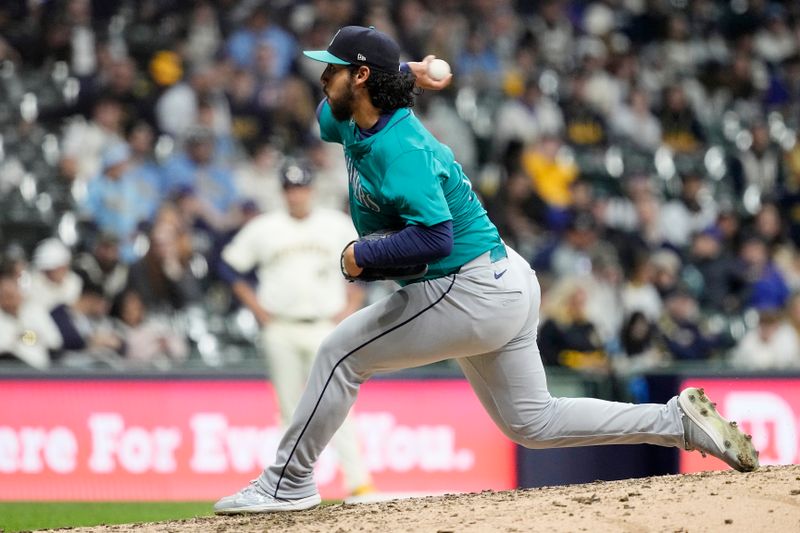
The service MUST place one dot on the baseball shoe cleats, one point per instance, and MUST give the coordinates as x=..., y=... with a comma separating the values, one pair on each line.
x=706, y=431
x=252, y=499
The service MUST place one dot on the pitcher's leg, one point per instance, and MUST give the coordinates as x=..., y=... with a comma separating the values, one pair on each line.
x=513, y=390
x=420, y=324
x=512, y=385
x=345, y=440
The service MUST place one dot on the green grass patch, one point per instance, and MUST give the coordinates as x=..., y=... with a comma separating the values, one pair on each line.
x=26, y=516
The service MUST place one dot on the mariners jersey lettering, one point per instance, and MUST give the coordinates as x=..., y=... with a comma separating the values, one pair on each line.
x=402, y=175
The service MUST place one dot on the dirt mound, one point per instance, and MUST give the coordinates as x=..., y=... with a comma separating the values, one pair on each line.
x=766, y=500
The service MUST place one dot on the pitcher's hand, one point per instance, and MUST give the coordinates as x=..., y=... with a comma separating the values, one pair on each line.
x=424, y=81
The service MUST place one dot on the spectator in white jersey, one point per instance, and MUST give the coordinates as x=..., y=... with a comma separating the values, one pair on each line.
x=300, y=296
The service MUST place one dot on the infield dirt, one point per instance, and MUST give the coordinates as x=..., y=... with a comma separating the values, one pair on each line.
x=765, y=500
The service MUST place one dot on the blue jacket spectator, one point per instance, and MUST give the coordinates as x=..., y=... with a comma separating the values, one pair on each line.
x=680, y=332
x=114, y=202
x=197, y=170
x=146, y=174
x=766, y=287
x=242, y=45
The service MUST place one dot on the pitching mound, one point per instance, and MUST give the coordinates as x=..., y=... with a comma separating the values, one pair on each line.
x=766, y=500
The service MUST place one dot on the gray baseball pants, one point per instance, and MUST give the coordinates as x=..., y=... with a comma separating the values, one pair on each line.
x=485, y=317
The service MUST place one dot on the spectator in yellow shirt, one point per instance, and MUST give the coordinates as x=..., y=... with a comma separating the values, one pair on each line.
x=552, y=174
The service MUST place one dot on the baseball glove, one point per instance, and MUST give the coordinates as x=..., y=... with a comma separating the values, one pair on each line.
x=387, y=272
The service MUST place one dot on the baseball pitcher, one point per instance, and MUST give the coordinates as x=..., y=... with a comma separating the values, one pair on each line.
x=473, y=299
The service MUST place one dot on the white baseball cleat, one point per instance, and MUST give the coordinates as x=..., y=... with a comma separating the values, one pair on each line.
x=252, y=499
x=706, y=431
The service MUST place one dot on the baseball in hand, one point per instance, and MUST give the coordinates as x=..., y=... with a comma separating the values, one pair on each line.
x=438, y=69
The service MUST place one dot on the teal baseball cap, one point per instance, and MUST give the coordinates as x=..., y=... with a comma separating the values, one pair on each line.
x=357, y=45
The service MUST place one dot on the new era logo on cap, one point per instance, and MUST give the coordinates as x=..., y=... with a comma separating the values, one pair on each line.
x=384, y=52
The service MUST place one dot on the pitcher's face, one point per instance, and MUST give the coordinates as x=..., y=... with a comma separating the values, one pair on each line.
x=337, y=84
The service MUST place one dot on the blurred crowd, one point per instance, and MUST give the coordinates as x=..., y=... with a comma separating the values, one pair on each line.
x=643, y=154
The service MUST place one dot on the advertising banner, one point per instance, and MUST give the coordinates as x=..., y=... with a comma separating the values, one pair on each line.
x=202, y=439
x=768, y=409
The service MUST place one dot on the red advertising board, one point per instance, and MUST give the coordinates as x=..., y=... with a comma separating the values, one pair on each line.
x=202, y=439
x=768, y=409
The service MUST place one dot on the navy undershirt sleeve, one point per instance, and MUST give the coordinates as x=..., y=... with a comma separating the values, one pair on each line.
x=412, y=245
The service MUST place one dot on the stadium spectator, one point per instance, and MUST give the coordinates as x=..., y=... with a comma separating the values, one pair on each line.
x=150, y=341
x=519, y=213
x=28, y=334
x=759, y=167
x=631, y=219
x=641, y=350
x=87, y=333
x=766, y=287
x=636, y=124
x=552, y=176
x=585, y=127
x=177, y=109
x=667, y=265
x=793, y=311
x=258, y=29
x=163, y=277
x=581, y=241
x=292, y=111
x=603, y=289
x=53, y=282
x=112, y=202
x=639, y=294
x=772, y=345
x=250, y=123
x=527, y=118
x=693, y=211
x=566, y=337
x=144, y=171
x=256, y=176
x=681, y=130
x=774, y=41
x=327, y=163
x=554, y=33
x=680, y=329
x=478, y=64
x=197, y=172
x=711, y=270
x=203, y=34
x=85, y=142
x=101, y=265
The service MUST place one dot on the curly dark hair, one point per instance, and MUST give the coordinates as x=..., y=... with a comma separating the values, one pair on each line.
x=391, y=90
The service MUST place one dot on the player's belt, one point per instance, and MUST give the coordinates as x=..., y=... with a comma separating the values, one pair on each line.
x=301, y=320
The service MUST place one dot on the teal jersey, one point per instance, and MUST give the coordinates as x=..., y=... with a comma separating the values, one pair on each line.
x=402, y=175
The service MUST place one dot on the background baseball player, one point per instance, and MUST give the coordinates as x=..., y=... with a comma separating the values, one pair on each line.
x=477, y=302
x=300, y=297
